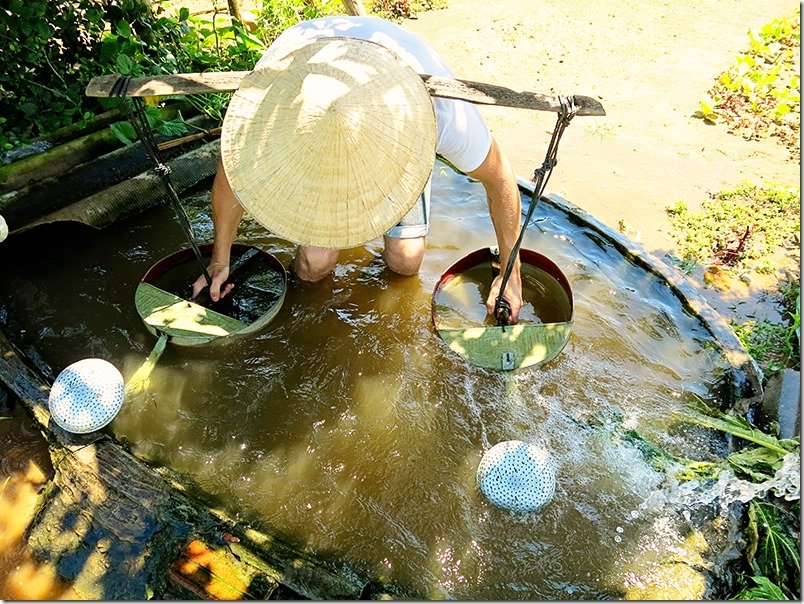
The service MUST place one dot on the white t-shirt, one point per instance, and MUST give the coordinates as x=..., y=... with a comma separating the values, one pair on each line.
x=463, y=137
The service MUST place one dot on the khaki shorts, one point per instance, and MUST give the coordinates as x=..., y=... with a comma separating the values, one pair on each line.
x=417, y=221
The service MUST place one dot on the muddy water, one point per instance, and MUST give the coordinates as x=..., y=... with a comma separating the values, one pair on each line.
x=460, y=303
x=25, y=468
x=349, y=429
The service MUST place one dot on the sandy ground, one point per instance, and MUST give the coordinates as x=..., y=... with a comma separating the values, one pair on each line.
x=648, y=63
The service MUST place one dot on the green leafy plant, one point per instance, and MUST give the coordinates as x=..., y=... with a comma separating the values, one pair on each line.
x=773, y=553
x=187, y=44
x=709, y=417
x=48, y=58
x=750, y=228
x=770, y=344
x=739, y=228
x=52, y=50
x=771, y=562
x=275, y=16
x=776, y=346
x=125, y=131
x=763, y=589
x=760, y=94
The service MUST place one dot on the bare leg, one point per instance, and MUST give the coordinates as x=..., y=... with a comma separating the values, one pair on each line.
x=314, y=263
x=404, y=256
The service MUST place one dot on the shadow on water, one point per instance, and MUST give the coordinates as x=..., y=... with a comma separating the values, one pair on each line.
x=348, y=428
x=25, y=469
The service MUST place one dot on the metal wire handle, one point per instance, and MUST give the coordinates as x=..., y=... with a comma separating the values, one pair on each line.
x=134, y=109
x=502, y=309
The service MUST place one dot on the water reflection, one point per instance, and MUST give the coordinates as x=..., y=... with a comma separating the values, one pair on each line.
x=348, y=427
x=24, y=470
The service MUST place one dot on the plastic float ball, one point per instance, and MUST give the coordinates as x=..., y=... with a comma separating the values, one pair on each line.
x=3, y=229
x=517, y=476
x=86, y=395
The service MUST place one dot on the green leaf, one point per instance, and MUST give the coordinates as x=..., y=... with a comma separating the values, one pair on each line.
x=707, y=105
x=782, y=109
x=124, y=131
x=752, y=535
x=172, y=128
x=124, y=29
x=777, y=551
x=759, y=463
x=124, y=64
x=764, y=590
x=738, y=426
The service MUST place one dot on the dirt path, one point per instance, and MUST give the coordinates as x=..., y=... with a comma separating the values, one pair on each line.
x=648, y=63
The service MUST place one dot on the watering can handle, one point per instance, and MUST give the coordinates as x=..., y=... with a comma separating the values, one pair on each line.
x=240, y=263
x=502, y=312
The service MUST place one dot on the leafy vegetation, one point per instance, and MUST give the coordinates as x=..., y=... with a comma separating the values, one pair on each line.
x=773, y=526
x=188, y=44
x=742, y=228
x=52, y=50
x=276, y=16
x=47, y=59
x=760, y=94
x=774, y=346
x=750, y=228
x=772, y=562
x=771, y=567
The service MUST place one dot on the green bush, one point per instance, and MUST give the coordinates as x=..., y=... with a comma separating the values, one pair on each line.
x=48, y=58
x=53, y=48
x=275, y=16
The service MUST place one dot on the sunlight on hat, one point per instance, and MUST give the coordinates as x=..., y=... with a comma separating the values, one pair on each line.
x=331, y=145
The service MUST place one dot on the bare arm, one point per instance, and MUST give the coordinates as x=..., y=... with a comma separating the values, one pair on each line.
x=226, y=215
x=505, y=207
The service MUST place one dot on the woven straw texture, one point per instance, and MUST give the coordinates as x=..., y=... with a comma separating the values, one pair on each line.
x=331, y=145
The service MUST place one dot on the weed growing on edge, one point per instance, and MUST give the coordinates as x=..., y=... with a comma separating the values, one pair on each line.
x=771, y=565
x=776, y=346
x=750, y=228
x=768, y=343
x=740, y=229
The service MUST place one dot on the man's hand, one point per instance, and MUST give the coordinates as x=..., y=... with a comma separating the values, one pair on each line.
x=513, y=295
x=219, y=271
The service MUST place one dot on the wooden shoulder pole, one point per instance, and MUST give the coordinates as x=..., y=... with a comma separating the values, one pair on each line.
x=227, y=81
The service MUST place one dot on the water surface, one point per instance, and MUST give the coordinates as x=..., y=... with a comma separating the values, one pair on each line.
x=348, y=428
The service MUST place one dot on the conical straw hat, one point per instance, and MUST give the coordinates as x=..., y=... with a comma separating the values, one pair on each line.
x=330, y=145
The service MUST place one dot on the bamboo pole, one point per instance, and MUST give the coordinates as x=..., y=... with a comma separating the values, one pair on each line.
x=234, y=9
